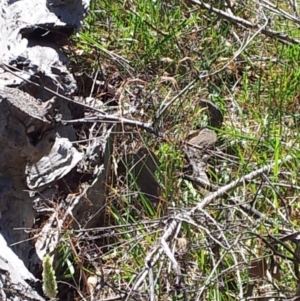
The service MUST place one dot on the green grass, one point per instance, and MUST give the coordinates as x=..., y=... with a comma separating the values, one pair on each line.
x=148, y=51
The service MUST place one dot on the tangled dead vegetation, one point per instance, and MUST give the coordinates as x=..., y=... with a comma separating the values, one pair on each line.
x=169, y=171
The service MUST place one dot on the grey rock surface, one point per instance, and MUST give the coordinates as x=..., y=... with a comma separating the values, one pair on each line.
x=31, y=33
x=61, y=159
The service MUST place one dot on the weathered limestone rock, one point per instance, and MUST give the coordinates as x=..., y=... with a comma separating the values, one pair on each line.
x=31, y=65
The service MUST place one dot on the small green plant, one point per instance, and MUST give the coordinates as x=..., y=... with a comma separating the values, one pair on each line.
x=171, y=162
x=49, y=278
x=65, y=265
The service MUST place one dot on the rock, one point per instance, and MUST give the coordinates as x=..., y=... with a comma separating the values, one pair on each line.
x=205, y=138
x=16, y=282
x=140, y=168
x=31, y=61
x=215, y=116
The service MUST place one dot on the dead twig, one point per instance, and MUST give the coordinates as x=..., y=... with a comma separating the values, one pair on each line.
x=154, y=255
x=284, y=38
x=115, y=119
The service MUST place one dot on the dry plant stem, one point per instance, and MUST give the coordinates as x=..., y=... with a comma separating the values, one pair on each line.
x=151, y=285
x=165, y=108
x=280, y=197
x=294, y=5
x=229, y=247
x=191, y=84
x=201, y=182
x=236, y=183
x=208, y=279
x=154, y=255
x=249, y=210
x=242, y=47
x=115, y=119
x=211, y=278
x=168, y=252
x=277, y=10
x=242, y=22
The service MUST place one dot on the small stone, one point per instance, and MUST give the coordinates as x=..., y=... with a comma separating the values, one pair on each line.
x=205, y=139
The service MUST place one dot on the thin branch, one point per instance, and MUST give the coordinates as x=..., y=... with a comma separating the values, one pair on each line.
x=284, y=38
x=165, y=108
x=154, y=255
x=115, y=119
